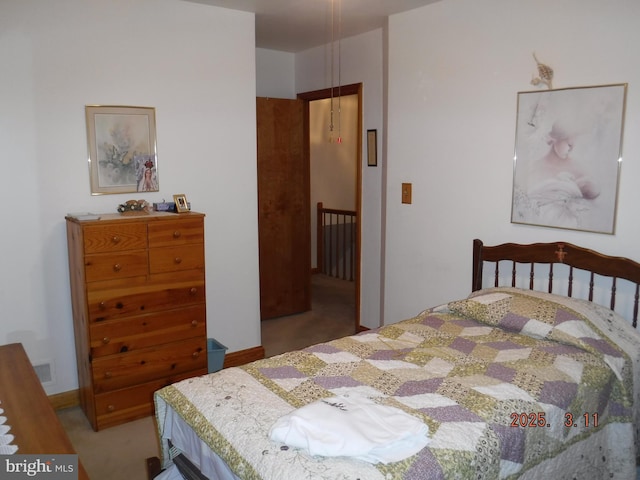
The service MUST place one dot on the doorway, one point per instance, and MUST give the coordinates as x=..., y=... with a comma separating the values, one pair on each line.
x=305, y=99
x=353, y=90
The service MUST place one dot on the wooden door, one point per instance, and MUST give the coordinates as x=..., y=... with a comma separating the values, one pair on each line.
x=283, y=208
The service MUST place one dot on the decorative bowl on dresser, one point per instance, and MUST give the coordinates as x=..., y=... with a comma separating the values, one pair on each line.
x=139, y=310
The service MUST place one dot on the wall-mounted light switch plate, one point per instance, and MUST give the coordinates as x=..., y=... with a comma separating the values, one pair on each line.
x=406, y=193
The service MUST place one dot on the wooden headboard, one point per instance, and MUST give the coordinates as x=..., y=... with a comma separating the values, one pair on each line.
x=575, y=258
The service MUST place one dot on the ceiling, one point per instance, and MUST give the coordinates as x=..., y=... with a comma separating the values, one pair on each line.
x=296, y=25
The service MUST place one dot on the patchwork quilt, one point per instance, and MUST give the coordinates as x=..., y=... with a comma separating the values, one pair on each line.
x=511, y=384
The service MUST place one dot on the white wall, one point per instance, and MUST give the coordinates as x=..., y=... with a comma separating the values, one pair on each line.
x=332, y=167
x=455, y=69
x=275, y=74
x=361, y=62
x=59, y=56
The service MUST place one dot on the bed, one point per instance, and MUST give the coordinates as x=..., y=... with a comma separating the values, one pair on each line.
x=509, y=382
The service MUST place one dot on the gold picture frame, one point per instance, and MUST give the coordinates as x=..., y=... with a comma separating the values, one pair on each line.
x=182, y=205
x=122, y=149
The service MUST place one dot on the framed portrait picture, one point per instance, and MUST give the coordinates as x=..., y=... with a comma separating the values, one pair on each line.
x=568, y=152
x=181, y=203
x=122, y=149
x=372, y=148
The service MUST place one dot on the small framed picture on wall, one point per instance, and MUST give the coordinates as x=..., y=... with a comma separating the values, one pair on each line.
x=372, y=148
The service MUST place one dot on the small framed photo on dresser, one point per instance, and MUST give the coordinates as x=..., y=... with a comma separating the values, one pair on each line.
x=181, y=203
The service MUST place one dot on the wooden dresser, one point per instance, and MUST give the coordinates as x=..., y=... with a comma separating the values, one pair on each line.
x=138, y=298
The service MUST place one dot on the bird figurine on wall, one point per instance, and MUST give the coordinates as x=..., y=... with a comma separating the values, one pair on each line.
x=545, y=74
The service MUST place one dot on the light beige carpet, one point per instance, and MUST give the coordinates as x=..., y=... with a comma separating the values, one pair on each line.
x=332, y=315
x=116, y=453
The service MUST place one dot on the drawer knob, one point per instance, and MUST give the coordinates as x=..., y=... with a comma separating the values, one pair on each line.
x=117, y=267
x=103, y=305
x=115, y=239
x=107, y=374
x=177, y=260
x=176, y=234
x=193, y=290
x=195, y=354
x=106, y=340
x=194, y=323
x=111, y=408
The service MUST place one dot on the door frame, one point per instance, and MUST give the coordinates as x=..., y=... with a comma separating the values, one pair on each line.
x=352, y=89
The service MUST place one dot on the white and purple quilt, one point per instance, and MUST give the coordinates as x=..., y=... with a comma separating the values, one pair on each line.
x=511, y=384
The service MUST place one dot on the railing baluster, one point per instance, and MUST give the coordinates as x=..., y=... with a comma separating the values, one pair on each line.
x=336, y=242
x=327, y=237
x=343, y=226
x=319, y=238
x=331, y=229
x=352, y=256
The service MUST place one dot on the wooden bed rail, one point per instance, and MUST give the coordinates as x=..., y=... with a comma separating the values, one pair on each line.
x=574, y=257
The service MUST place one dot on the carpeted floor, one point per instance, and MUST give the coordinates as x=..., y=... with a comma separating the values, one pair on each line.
x=114, y=453
x=120, y=452
x=332, y=315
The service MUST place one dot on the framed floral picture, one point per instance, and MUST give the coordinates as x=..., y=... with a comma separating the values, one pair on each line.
x=122, y=149
x=567, y=158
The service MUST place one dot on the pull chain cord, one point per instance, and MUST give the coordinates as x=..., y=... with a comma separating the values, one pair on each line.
x=332, y=42
x=339, y=70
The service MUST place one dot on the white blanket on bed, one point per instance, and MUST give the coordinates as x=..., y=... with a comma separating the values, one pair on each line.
x=352, y=426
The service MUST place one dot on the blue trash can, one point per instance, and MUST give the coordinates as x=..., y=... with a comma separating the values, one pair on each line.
x=215, y=355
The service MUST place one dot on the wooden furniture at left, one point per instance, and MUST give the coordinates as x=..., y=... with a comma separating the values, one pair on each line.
x=33, y=422
x=139, y=309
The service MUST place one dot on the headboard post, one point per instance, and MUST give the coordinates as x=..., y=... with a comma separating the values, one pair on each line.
x=477, y=265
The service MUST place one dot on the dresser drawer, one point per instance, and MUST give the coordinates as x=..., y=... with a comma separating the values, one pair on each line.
x=143, y=331
x=132, y=368
x=178, y=232
x=109, y=266
x=173, y=259
x=113, y=304
x=126, y=404
x=114, y=237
